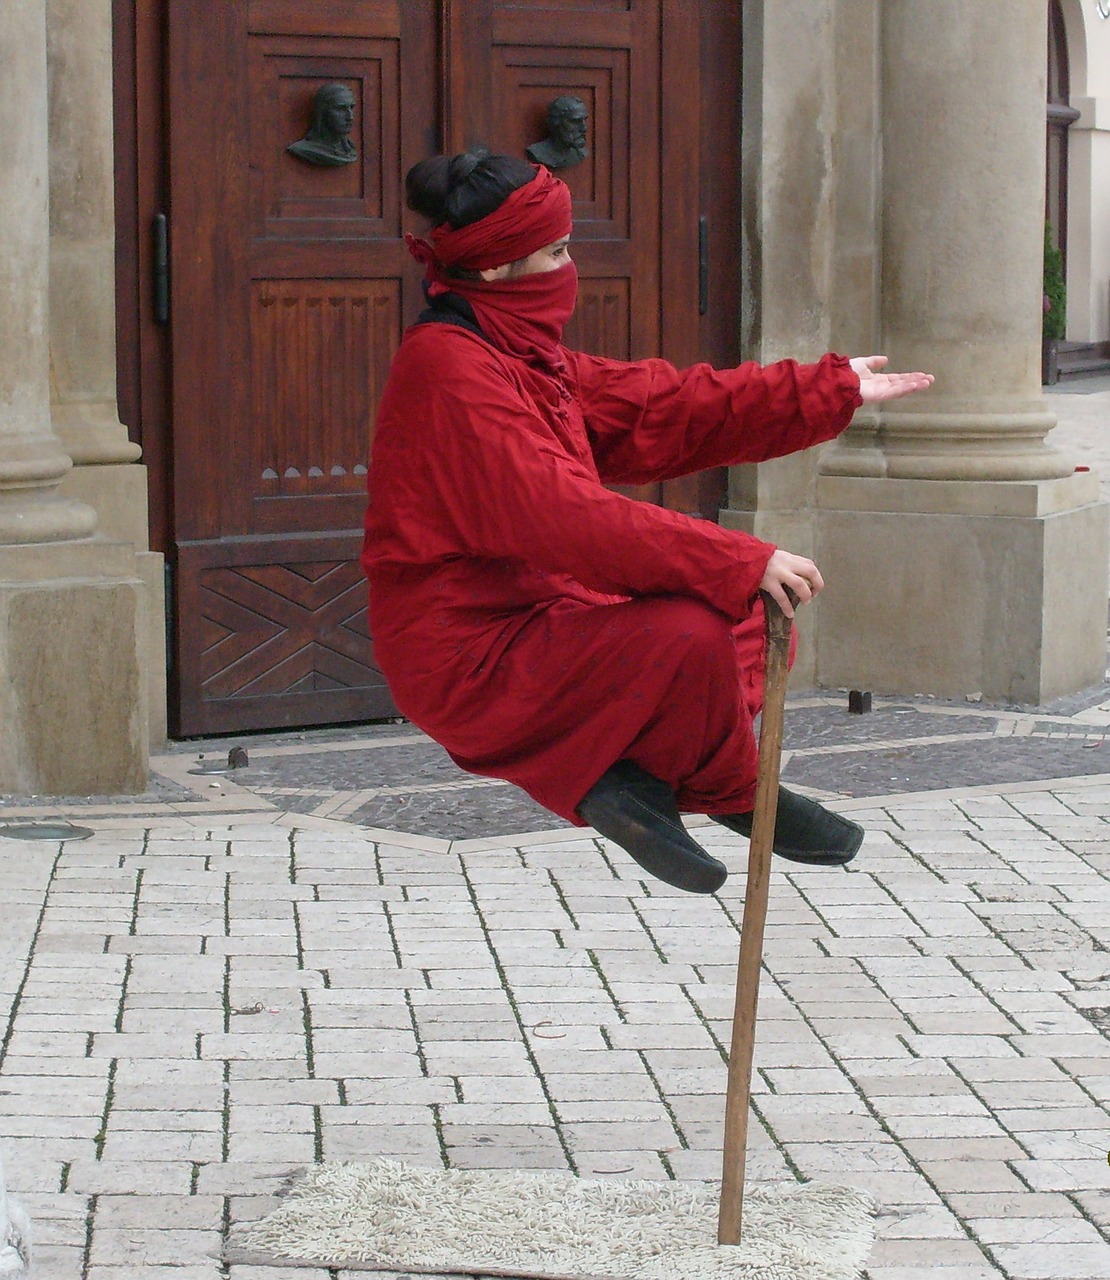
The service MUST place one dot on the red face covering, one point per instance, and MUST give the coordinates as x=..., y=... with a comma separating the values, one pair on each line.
x=523, y=316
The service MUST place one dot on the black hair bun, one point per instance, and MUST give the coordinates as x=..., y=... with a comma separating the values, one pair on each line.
x=463, y=165
x=462, y=189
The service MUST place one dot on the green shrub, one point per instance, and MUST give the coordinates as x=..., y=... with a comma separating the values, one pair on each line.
x=1055, y=290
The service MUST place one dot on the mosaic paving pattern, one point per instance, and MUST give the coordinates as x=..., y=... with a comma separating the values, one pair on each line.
x=460, y=810
x=392, y=777
x=808, y=726
x=934, y=766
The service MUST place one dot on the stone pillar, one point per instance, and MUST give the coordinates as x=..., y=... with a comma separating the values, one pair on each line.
x=71, y=702
x=84, y=411
x=810, y=231
x=965, y=554
x=82, y=234
x=32, y=459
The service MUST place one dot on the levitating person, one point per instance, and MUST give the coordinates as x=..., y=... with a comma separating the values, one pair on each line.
x=604, y=654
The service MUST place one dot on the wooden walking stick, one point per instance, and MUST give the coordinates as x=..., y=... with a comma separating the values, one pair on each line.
x=739, y=1088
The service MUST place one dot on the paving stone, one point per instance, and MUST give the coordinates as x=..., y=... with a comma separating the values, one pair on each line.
x=808, y=1081
x=496, y=1113
x=961, y=1174
x=523, y=1087
x=1030, y=1229
x=943, y=1255
x=846, y=1159
x=139, y=1212
x=130, y=1176
x=149, y=1248
x=303, y=1273
x=1055, y=1260
x=1065, y=1175
x=144, y=1271
x=972, y=1206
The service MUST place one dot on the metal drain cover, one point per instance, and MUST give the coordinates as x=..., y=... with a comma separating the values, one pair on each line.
x=44, y=831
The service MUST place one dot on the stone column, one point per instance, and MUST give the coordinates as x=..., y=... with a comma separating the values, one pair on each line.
x=32, y=459
x=71, y=703
x=82, y=234
x=965, y=553
x=106, y=473
x=810, y=176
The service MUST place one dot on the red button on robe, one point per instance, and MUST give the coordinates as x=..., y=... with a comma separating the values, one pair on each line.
x=538, y=625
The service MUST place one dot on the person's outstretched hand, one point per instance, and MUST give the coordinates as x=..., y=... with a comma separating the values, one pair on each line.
x=784, y=569
x=875, y=386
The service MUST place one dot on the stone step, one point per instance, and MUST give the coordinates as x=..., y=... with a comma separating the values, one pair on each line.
x=1087, y=365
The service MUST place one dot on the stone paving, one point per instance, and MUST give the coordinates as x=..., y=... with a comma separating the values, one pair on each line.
x=349, y=949
x=1082, y=408
x=212, y=991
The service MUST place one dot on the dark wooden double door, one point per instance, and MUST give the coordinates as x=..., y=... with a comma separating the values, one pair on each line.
x=292, y=285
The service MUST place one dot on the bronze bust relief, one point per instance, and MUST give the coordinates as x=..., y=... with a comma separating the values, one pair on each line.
x=565, y=144
x=333, y=115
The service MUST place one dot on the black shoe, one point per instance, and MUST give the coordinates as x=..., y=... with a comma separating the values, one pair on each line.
x=638, y=812
x=805, y=831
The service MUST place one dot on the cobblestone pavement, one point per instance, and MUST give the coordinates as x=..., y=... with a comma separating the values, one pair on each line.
x=349, y=949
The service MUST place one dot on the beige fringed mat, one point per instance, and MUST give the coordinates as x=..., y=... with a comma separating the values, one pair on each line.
x=387, y=1216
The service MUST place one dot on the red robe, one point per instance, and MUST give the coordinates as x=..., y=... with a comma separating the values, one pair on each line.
x=541, y=627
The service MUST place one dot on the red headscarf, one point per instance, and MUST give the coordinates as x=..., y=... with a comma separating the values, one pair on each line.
x=534, y=215
x=524, y=316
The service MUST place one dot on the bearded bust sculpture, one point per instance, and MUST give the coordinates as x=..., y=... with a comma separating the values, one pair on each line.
x=565, y=144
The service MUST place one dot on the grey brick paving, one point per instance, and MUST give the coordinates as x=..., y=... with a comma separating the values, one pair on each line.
x=197, y=1007
x=349, y=950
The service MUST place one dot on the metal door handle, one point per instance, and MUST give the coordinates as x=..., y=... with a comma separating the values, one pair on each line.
x=703, y=265
x=161, y=276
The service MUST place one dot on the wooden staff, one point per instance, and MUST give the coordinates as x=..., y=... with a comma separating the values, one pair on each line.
x=738, y=1093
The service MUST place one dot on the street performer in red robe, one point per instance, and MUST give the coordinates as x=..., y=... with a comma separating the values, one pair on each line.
x=604, y=654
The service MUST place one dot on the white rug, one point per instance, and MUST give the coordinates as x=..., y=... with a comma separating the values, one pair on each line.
x=387, y=1216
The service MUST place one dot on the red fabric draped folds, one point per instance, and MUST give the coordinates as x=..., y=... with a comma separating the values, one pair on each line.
x=536, y=623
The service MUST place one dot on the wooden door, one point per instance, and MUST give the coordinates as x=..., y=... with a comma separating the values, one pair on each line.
x=291, y=283
x=663, y=112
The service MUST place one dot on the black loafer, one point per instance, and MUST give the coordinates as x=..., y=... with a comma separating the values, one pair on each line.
x=637, y=811
x=805, y=831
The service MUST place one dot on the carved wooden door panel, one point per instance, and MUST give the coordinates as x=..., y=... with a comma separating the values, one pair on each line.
x=290, y=283
x=660, y=82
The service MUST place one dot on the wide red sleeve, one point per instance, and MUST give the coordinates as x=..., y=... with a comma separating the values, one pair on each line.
x=480, y=473
x=649, y=421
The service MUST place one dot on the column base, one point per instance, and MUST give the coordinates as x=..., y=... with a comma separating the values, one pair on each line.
x=956, y=589
x=118, y=494
x=72, y=696
x=91, y=432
